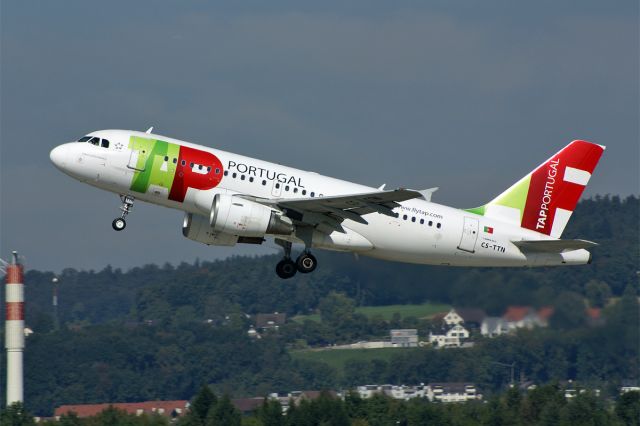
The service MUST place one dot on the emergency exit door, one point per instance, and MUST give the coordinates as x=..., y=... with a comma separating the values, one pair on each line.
x=469, y=235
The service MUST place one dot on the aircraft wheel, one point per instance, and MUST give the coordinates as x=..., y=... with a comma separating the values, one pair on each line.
x=306, y=263
x=119, y=224
x=286, y=268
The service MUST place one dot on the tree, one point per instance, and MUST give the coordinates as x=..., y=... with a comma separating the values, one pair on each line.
x=628, y=408
x=336, y=309
x=15, y=415
x=223, y=413
x=569, y=311
x=202, y=404
x=598, y=293
x=270, y=413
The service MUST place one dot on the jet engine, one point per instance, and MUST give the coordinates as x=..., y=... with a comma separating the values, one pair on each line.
x=197, y=228
x=236, y=216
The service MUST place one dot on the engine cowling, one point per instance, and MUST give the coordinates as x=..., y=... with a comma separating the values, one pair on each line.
x=237, y=216
x=197, y=228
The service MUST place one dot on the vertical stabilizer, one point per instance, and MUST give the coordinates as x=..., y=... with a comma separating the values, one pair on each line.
x=544, y=199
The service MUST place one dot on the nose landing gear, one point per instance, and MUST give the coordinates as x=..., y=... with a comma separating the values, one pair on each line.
x=119, y=223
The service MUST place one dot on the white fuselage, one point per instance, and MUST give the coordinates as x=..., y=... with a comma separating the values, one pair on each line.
x=424, y=232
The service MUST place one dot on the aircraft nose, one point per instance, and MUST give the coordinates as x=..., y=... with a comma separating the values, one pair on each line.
x=58, y=156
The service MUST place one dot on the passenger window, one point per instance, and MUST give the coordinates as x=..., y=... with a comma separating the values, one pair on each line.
x=84, y=138
x=191, y=165
x=413, y=219
x=241, y=177
x=404, y=217
x=251, y=179
x=286, y=188
x=226, y=173
x=166, y=158
x=184, y=163
x=105, y=143
x=175, y=161
x=295, y=190
x=217, y=171
x=304, y=192
x=438, y=225
x=199, y=166
x=313, y=194
x=277, y=185
x=421, y=221
x=430, y=223
x=264, y=182
x=234, y=175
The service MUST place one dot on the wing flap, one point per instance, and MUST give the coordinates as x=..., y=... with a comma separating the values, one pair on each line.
x=553, y=246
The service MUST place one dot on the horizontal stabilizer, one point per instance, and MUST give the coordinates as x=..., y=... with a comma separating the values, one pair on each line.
x=553, y=246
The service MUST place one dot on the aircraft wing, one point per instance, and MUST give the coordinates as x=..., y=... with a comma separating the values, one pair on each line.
x=332, y=210
x=553, y=246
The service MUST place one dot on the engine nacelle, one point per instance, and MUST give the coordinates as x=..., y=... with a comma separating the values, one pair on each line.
x=197, y=228
x=237, y=216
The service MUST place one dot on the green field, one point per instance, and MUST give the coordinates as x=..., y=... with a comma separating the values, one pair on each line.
x=336, y=358
x=386, y=312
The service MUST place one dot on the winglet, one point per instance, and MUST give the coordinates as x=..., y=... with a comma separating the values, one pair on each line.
x=381, y=188
x=149, y=130
x=427, y=193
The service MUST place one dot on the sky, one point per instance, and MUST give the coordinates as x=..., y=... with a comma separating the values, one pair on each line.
x=467, y=96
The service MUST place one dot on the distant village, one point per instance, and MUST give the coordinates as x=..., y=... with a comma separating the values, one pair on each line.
x=453, y=329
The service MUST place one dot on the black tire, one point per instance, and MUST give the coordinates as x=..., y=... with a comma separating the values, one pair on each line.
x=306, y=263
x=286, y=269
x=118, y=224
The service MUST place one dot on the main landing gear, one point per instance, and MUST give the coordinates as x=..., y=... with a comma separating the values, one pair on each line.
x=119, y=223
x=287, y=268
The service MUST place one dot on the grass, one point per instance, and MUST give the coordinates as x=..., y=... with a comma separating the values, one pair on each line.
x=386, y=312
x=337, y=358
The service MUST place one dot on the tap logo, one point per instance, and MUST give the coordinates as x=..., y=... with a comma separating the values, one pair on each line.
x=171, y=168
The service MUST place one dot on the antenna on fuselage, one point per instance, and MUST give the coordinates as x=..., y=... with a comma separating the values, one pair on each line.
x=149, y=130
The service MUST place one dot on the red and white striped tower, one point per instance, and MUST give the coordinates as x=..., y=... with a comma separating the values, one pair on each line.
x=14, y=330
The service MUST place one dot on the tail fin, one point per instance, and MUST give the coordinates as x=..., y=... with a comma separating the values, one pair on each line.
x=544, y=199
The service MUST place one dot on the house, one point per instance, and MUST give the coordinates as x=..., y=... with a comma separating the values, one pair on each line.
x=472, y=317
x=397, y=392
x=451, y=337
x=594, y=317
x=247, y=405
x=493, y=326
x=164, y=408
x=270, y=321
x=404, y=338
x=452, y=392
x=516, y=317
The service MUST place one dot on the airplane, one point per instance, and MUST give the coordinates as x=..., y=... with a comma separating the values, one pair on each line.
x=231, y=199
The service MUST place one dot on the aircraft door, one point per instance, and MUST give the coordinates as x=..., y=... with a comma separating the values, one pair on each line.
x=138, y=159
x=276, y=190
x=469, y=235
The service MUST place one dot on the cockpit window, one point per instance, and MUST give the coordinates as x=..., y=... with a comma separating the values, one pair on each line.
x=84, y=138
x=105, y=143
x=94, y=141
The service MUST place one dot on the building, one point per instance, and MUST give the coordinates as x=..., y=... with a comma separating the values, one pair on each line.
x=452, y=392
x=435, y=392
x=397, y=392
x=470, y=317
x=449, y=338
x=164, y=408
x=270, y=321
x=514, y=318
x=404, y=338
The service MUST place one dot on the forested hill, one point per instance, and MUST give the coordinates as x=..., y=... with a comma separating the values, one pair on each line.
x=248, y=284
